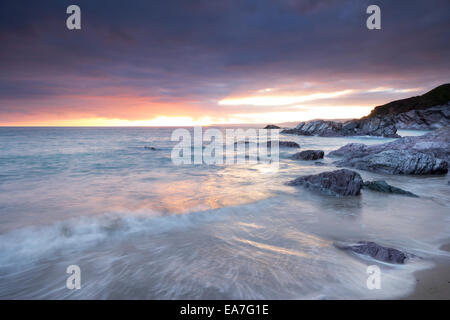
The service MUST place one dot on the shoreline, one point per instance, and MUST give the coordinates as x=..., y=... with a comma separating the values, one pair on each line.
x=434, y=283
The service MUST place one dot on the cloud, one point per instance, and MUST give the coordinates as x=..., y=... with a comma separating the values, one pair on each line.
x=187, y=55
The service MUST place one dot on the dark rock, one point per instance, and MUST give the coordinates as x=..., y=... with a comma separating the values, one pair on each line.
x=428, y=111
x=272, y=126
x=375, y=126
x=382, y=186
x=287, y=144
x=149, y=148
x=376, y=251
x=339, y=183
x=427, y=154
x=308, y=155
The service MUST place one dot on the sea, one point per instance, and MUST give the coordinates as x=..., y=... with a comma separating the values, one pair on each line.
x=140, y=227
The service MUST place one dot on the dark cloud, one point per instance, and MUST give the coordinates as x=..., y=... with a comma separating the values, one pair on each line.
x=204, y=50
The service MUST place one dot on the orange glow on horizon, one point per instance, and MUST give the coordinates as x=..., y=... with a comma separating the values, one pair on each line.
x=295, y=113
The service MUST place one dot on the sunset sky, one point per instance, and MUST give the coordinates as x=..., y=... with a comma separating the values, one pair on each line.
x=199, y=62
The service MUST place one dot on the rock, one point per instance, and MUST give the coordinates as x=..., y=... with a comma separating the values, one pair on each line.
x=358, y=149
x=339, y=183
x=428, y=111
x=429, y=119
x=272, y=126
x=149, y=148
x=375, y=126
x=376, y=251
x=382, y=186
x=397, y=162
x=308, y=155
x=316, y=127
x=427, y=154
x=287, y=144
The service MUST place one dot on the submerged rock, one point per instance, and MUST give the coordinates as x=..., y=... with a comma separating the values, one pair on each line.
x=338, y=183
x=382, y=186
x=272, y=126
x=308, y=155
x=149, y=148
x=376, y=251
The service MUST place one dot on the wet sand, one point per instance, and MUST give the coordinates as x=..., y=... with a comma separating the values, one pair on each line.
x=433, y=284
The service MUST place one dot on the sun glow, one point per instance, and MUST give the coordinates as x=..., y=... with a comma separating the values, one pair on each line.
x=281, y=100
x=305, y=114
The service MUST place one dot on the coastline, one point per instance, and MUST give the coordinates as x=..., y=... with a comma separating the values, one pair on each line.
x=434, y=283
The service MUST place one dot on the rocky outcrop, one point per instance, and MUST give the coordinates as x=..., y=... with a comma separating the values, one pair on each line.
x=308, y=155
x=428, y=119
x=435, y=143
x=427, y=154
x=337, y=183
x=428, y=111
x=397, y=162
x=382, y=186
x=376, y=126
x=272, y=126
x=376, y=251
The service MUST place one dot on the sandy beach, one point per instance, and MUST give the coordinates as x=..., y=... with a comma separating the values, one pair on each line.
x=434, y=283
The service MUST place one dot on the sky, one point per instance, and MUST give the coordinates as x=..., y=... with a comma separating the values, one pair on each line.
x=202, y=62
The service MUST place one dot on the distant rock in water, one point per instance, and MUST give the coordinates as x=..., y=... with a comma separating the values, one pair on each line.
x=272, y=126
x=428, y=111
x=338, y=183
x=376, y=251
x=376, y=126
x=149, y=148
x=287, y=144
x=308, y=155
x=382, y=186
x=427, y=154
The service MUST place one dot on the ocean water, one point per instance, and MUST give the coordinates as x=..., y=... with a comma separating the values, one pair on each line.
x=140, y=227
